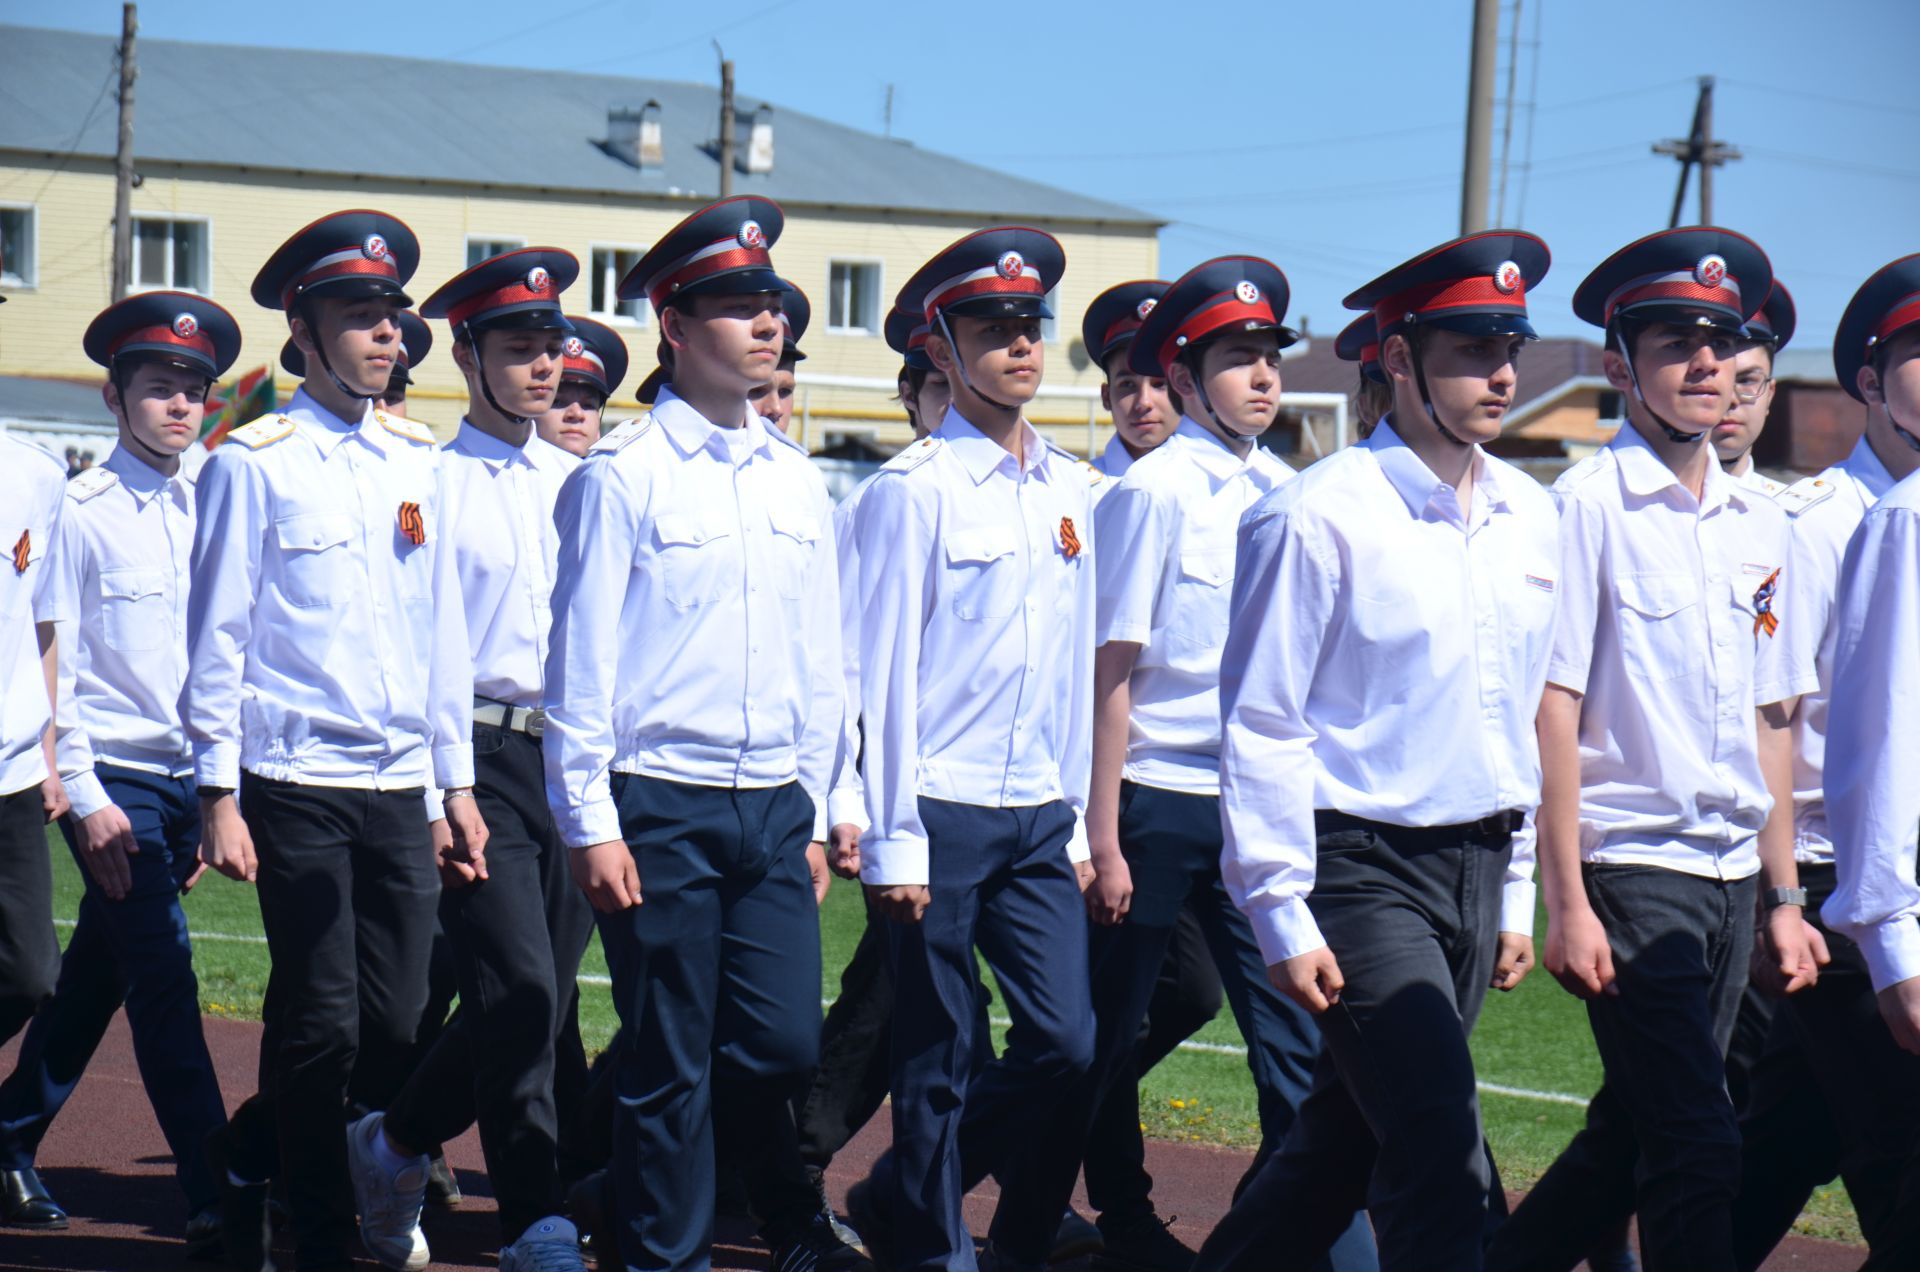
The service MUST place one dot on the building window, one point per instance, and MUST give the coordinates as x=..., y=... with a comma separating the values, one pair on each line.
x=169, y=254
x=608, y=266
x=19, y=265
x=853, y=297
x=480, y=249
x=1050, y=327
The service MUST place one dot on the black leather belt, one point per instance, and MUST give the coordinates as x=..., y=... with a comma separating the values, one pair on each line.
x=1496, y=828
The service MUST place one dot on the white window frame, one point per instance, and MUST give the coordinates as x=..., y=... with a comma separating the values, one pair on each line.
x=613, y=317
x=15, y=278
x=503, y=242
x=172, y=284
x=879, y=266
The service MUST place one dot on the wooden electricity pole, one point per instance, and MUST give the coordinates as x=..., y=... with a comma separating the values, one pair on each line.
x=1473, y=177
x=123, y=160
x=1699, y=149
x=726, y=124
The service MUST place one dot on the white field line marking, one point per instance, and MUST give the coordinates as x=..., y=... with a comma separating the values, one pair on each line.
x=1204, y=1048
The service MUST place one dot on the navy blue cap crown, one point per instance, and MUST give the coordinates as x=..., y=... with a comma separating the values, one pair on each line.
x=723, y=249
x=795, y=314
x=1476, y=284
x=416, y=341
x=1005, y=271
x=1116, y=314
x=1226, y=294
x=1774, y=324
x=595, y=354
x=518, y=289
x=1359, y=342
x=165, y=326
x=907, y=332
x=1695, y=275
x=1886, y=304
x=356, y=253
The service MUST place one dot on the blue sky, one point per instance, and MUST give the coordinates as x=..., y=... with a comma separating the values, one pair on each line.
x=1327, y=137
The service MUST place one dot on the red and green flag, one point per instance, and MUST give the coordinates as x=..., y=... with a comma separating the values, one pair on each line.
x=231, y=405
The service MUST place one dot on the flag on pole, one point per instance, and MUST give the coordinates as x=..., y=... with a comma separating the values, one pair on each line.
x=230, y=406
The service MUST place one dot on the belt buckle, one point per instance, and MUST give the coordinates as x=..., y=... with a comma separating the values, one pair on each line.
x=536, y=722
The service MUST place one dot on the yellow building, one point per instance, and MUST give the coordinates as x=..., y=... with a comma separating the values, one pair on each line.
x=238, y=147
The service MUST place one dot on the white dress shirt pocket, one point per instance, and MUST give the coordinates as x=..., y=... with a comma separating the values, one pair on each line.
x=1659, y=627
x=698, y=558
x=1199, y=618
x=314, y=553
x=983, y=573
x=795, y=532
x=134, y=615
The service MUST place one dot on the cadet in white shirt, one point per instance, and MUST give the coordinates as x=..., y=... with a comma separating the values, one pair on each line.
x=312, y=636
x=774, y=400
x=416, y=341
x=1871, y=800
x=517, y=934
x=1390, y=622
x=596, y=365
x=695, y=695
x=1143, y=410
x=121, y=564
x=1735, y=435
x=976, y=676
x=1668, y=783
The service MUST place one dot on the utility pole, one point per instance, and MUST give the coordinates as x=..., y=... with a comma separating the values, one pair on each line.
x=887, y=114
x=726, y=122
x=1473, y=179
x=123, y=159
x=1698, y=149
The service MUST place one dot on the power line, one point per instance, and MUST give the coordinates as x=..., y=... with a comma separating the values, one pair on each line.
x=1836, y=165
x=1855, y=103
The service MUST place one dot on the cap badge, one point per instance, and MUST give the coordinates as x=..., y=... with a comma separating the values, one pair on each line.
x=575, y=347
x=1711, y=271
x=1145, y=307
x=1011, y=265
x=751, y=235
x=185, y=326
x=1506, y=278
x=1246, y=293
x=375, y=248
x=537, y=279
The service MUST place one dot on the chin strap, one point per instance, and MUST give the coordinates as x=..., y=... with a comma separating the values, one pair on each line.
x=158, y=458
x=1674, y=435
x=960, y=366
x=480, y=373
x=1426, y=398
x=320, y=351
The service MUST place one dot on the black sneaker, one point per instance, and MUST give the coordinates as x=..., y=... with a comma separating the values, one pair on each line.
x=443, y=1190
x=245, y=1228
x=993, y=1259
x=865, y=1214
x=816, y=1248
x=587, y=1207
x=204, y=1243
x=1145, y=1244
x=840, y=1229
x=1076, y=1238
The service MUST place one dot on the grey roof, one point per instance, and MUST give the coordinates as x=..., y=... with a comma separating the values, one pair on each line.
x=230, y=105
x=27, y=398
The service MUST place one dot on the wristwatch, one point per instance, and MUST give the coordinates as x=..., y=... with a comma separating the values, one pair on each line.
x=1774, y=898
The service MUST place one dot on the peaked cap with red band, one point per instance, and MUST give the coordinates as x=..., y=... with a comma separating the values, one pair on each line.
x=1005, y=272
x=1886, y=304
x=1773, y=325
x=1214, y=298
x=1116, y=314
x=795, y=314
x=416, y=341
x=1477, y=284
x=1697, y=275
x=357, y=253
x=595, y=355
x=517, y=290
x=724, y=249
x=1360, y=342
x=165, y=326
x=907, y=333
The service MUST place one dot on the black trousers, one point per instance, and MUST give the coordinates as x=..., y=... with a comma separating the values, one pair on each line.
x=517, y=939
x=1392, y=1124
x=850, y=1083
x=29, y=951
x=1661, y=1138
x=347, y=894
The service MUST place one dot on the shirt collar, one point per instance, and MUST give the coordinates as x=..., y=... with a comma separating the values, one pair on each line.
x=142, y=480
x=1116, y=458
x=692, y=432
x=1210, y=453
x=1418, y=486
x=321, y=426
x=488, y=449
x=981, y=456
x=1865, y=467
x=1646, y=474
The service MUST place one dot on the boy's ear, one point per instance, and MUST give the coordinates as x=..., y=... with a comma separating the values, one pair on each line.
x=1615, y=368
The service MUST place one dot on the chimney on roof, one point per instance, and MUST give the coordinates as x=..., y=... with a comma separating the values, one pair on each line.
x=633, y=134
x=759, y=157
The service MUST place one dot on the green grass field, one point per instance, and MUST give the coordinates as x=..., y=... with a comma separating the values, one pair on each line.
x=1533, y=1040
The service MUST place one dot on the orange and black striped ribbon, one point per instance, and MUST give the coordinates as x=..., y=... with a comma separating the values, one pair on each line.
x=1069, y=538
x=1764, y=619
x=411, y=525
x=23, y=552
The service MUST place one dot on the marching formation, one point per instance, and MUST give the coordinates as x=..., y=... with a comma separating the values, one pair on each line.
x=1177, y=726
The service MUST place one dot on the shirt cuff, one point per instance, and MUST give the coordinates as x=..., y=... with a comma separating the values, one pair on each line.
x=1131, y=633
x=1285, y=930
x=847, y=805
x=216, y=764
x=820, y=821
x=436, y=802
x=1517, y=907
x=1892, y=949
x=85, y=792
x=592, y=823
x=888, y=863
x=453, y=765
x=1078, y=849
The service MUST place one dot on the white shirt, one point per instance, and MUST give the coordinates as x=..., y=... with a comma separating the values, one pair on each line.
x=123, y=561
x=1385, y=659
x=1167, y=533
x=312, y=629
x=1825, y=511
x=1873, y=739
x=1753, y=479
x=32, y=483
x=499, y=542
x=976, y=637
x=1114, y=461
x=847, y=804
x=696, y=630
x=1659, y=628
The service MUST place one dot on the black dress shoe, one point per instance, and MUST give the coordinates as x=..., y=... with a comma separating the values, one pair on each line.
x=26, y=1203
x=203, y=1237
x=443, y=1189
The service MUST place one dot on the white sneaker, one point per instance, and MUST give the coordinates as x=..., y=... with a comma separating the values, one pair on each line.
x=552, y=1245
x=389, y=1200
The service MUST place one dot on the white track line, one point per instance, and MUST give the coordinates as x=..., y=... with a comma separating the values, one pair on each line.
x=1203, y=1048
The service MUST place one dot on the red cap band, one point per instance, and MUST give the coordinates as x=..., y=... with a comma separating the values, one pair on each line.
x=1904, y=314
x=705, y=264
x=346, y=263
x=1479, y=292
x=514, y=293
x=1681, y=288
x=1124, y=326
x=1224, y=310
x=199, y=342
